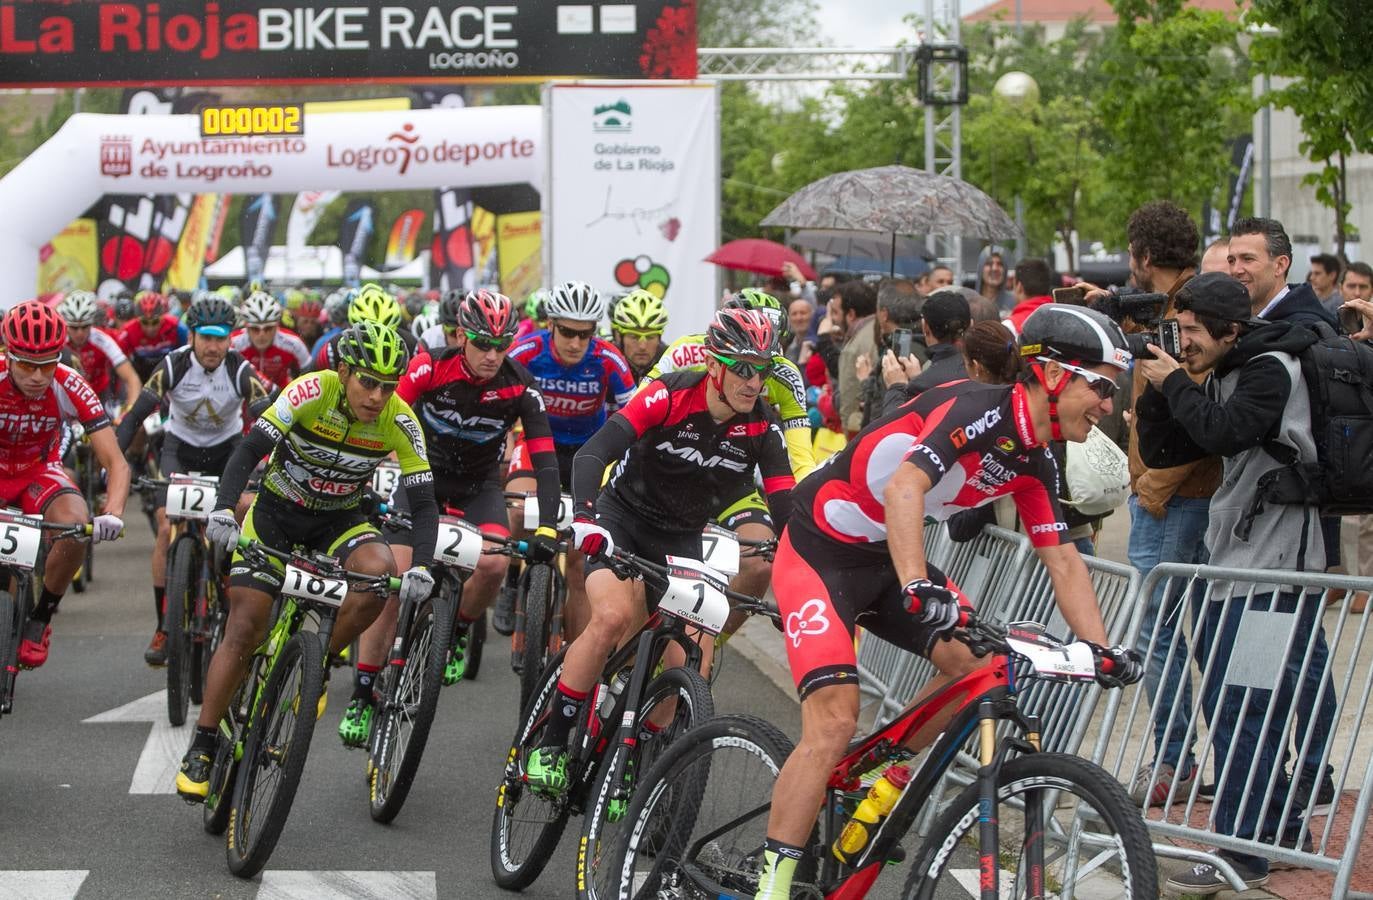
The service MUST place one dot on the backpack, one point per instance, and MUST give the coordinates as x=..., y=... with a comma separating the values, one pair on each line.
x=1338, y=372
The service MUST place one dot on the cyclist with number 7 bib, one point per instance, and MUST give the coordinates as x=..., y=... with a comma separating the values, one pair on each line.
x=467, y=399
x=326, y=434
x=206, y=386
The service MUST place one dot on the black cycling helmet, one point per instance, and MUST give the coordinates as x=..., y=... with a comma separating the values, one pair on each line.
x=211, y=314
x=448, y=308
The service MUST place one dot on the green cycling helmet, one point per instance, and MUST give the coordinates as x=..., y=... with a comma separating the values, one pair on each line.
x=533, y=305
x=640, y=311
x=372, y=304
x=768, y=305
x=373, y=348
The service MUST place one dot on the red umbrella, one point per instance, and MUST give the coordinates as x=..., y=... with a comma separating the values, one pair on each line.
x=760, y=256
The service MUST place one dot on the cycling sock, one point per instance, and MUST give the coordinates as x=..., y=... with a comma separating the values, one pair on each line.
x=159, y=603
x=363, y=676
x=565, y=707
x=46, y=606
x=204, y=738
x=779, y=864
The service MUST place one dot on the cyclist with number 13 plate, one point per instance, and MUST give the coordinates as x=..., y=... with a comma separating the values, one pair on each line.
x=467, y=399
x=853, y=552
x=326, y=434
x=37, y=395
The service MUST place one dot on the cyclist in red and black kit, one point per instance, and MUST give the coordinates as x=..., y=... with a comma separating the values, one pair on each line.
x=853, y=551
x=151, y=334
x=97, y=350
x=467, y=399
x=276, y=352
x=37, y=396
x=688, y=444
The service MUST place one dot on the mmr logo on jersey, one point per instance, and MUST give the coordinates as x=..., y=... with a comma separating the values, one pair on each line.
x=975, y=428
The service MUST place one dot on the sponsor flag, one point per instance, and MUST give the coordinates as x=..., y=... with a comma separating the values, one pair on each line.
x=355, y=233
x=189, y=259
x=450, y=251
x=67, y=262
x=519, y=249
x=405, y=232
x=305, y=213
x=256, y=224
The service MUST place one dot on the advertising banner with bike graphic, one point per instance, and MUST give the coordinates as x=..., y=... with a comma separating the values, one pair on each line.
x=633, y=198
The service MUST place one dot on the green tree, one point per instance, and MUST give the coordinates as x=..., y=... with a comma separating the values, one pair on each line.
x=1320, y=49
x=755, y=23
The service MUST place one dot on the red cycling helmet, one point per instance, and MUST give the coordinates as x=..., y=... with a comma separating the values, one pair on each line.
x=489, y=314
x=150, y=305
x=742, y=334
x=33, y=330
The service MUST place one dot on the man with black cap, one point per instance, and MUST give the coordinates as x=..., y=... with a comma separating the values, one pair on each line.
x=1253, y=395
x=944, y=318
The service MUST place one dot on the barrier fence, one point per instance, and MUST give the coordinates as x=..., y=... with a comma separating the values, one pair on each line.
x=1253, y=683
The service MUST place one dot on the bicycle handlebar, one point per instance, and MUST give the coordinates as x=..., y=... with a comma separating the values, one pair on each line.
x=629, y=566
x=376, y=583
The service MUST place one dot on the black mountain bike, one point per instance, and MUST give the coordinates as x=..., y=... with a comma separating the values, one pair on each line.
x=540, y=593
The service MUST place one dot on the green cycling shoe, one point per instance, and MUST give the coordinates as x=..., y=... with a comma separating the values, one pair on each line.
x=457, y=661
x=615, y=809
x=356, y=726
x=546, y=771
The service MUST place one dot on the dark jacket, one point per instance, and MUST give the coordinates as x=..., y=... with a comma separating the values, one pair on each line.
x=1302, y=306
x=946, y=364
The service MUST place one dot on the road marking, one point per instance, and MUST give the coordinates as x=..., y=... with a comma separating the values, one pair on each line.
x=971, y=880
x=356, y=885
x=39, y=884
x=162, y=752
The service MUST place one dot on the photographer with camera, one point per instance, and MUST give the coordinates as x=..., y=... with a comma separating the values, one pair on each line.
x=1253, y=395
x=944, y=318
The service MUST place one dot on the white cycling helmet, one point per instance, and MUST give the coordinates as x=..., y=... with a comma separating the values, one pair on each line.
x=576, y=301
x=261, y=308
x=79, y=308
x=422, y=323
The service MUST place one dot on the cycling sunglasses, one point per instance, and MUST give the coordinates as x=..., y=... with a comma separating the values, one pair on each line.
x=576, y=334
x=482, y=342
x=641, y=335
x=743, y=368
x=371, y=383
x=1102, y=385
x=32, y=366
x=151, y=322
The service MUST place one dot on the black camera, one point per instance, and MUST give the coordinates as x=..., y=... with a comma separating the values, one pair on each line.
x=1145, y=308
x=1166, y=335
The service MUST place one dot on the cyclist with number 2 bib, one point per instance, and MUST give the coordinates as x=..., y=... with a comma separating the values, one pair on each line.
x=326, y=434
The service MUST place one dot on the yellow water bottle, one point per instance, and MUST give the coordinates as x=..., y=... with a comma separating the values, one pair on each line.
x=882, y=796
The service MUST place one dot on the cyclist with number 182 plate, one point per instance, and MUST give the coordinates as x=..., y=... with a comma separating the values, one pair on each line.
x=579, y=376
x=685, y=442
x=326, y=433
x=467, y=399
x=37, y=396
x=272, y=349
x=205, y=385
x=853, y=552
x=98, y=351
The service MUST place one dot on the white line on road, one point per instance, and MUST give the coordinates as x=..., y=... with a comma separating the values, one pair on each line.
x=161, y=756
x=38, y=884
x=353, y=885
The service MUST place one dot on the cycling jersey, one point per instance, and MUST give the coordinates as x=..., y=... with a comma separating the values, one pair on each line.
x=206, y=405
x=146, y=352
x=784, y=388
x=326, y=354
x=434, y=338
x=974, y=441
x=465, y=423
x=576, y=396
x=677, y=464
x=286, y=358
x=99, y=356
x=31, y=427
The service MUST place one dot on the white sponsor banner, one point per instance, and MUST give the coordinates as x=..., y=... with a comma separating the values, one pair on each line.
x=305, y=213
x=633, y=195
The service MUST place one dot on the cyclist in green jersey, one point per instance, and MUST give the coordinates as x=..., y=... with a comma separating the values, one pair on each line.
x=325, y=433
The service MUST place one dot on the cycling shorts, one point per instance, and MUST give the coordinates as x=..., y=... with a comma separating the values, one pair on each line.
x=32, y=491
x=484, y=508
x=750, y=509
x=284, y=526
x=641, y=537
x=522, y=467
x=821, y=601
x=179, y=457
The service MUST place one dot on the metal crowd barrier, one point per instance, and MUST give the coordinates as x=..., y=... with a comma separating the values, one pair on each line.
x=1297, y=682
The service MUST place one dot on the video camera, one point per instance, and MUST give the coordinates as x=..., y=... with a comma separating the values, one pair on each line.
x=1145, y=308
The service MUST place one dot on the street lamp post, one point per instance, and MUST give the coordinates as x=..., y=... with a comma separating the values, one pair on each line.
x=1021, y=91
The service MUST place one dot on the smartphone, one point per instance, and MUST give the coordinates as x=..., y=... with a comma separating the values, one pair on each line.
x=901, y=340
x=1074, y=296
x=1170, y=338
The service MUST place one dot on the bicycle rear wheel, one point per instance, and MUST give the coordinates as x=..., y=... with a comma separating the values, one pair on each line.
x=11, y=627
x=274, y=752
x=179, y=623
x=1048, y=796
x=476, y=642
x=603, y=825
x=527, y=825
x=698, y=817
x=540, y=645
x=410, y=697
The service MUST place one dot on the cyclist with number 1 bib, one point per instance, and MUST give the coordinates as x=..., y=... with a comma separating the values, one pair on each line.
x=206, y=386
x=326, y=434
x=853, y=552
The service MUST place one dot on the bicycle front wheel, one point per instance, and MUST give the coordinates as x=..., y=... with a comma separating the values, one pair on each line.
x=410, y=697
x=1043, y=800
x=539, y=642
x=11, y=624
x=179, y=622
x=274, y=752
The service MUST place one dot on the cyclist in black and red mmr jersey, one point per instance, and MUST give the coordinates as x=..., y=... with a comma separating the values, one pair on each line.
x=853, y=551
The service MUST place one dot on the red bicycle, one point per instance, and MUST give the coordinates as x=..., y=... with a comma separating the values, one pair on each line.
x=1030, y=824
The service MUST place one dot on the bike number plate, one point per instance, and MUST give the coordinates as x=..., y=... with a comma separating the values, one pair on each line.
x=385, y=479
x=191, y=498
x=459, y=543
x=531, y=512
x=19, y=539
x=1054, y=660
x=695, y=593
x=310, y=586
x=720, y=550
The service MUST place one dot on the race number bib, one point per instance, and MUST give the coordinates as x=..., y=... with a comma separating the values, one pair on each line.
x=191, y=498
x=19, y=539
x=385, y=479
x=311, y=586
x=459, y=543
x=1051, y=659
x=695, y=593
x=720, y=550
x=531, y=512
